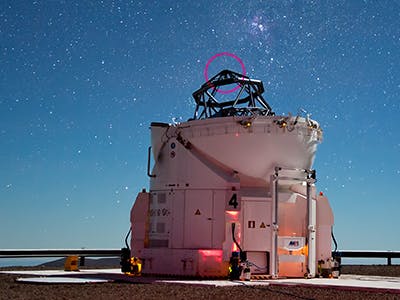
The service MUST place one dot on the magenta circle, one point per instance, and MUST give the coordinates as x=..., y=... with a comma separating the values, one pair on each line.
x=224, y=54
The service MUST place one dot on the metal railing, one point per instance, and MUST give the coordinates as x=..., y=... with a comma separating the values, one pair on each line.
x=368, y=254
x=14, y=253
x=82, y=253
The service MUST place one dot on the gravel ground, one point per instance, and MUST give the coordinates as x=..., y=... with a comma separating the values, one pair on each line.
x=10, y=289
x=377, y=270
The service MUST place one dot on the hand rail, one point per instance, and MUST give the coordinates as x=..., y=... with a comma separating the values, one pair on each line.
x=21, y=253
x=368, y=254
x=15, y=253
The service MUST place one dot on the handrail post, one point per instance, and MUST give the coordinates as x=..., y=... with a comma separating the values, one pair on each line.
x=82, y=261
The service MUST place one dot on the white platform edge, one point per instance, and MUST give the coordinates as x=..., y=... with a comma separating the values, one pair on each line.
x=345, y=281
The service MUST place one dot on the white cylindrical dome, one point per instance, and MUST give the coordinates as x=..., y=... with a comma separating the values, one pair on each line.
x=252, y=147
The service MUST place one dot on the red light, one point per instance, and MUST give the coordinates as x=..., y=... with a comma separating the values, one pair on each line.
x=210, y=252
x=232, y=213
x=321, y=193
x=213, y=254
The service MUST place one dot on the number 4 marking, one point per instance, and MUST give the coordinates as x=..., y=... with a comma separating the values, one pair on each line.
x=233, y=201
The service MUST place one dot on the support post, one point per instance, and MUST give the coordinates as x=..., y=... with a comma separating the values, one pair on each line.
x=311, y=211
x=275, y=227
x=82, y=261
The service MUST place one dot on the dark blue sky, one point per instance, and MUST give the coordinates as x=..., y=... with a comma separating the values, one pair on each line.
x=80, y=82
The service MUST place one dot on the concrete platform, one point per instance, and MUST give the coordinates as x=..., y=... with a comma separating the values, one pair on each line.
x=348, y=282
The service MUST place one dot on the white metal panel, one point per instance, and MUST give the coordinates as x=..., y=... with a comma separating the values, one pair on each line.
x=260, y=261
x=198, y=219
x=218, y=222
x=177, y=219
x=159, y=219
x=139, y=222
x=324, y=228
x=271, y=144
x=292, y=217
x=286, y=258
x=257, y=224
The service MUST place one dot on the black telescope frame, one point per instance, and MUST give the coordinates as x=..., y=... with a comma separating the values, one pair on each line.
x=247, y=101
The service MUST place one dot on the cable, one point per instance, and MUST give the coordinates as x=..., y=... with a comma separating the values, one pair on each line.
x=258, y=267
x=334, y=241
x=126, y=238
x=233, y=237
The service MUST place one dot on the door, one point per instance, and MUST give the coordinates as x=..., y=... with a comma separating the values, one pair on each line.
x=257, y=221
x=198, y=219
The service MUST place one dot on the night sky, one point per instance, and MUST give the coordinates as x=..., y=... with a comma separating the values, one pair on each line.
x=81, y=81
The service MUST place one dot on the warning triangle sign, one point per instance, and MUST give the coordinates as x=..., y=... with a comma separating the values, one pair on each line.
x=197, y=213
x=262, y=225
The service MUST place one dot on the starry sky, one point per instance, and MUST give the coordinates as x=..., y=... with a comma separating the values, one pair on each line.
x=80, y=82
